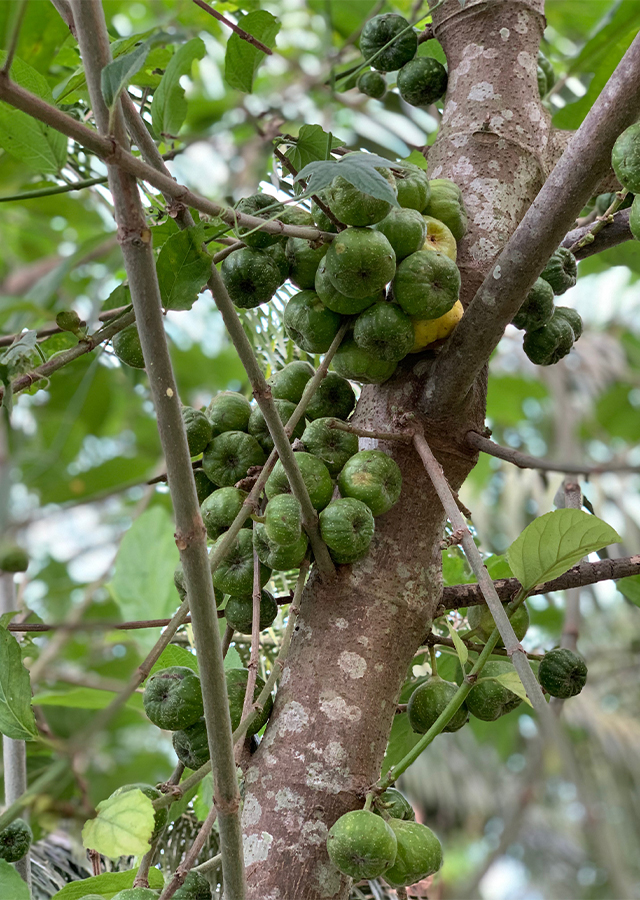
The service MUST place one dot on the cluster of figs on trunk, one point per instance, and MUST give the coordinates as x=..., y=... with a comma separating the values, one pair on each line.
x=385, y=840
x=389, y=43
x=390, y=272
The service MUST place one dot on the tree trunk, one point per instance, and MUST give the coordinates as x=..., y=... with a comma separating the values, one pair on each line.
x=356, y=636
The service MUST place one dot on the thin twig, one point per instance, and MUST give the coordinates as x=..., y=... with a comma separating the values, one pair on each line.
x=187, y=863
x=114, y=154
x=525, y=461
x=404, y=436
x=15, y=35
x=441, y=641
x=54, y=189
x=62, y=359
x=460, y=595
x=500, y=617
x=254, y=657
x=286, y=162
x=262, y=394
x=245, y=35
x=259, y=702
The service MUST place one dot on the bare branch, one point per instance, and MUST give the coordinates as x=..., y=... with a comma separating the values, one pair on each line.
x=500, y=617
x=574, y=179
x=460, y=595
x=139, y=261
x=525, y=461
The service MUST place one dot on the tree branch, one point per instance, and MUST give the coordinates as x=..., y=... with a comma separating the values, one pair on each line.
x=249, y=38
x=525, y=461
x=62, y=359
x=460, y=595
x=574, y=179
x=139, y=261
x=616, y=232
x=511, y=643
x=114, y=154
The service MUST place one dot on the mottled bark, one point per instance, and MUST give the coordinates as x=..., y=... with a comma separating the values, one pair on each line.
x=355, y=637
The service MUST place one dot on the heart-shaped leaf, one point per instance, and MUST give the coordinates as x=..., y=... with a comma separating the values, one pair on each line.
x=556, y=541
x=123, y=826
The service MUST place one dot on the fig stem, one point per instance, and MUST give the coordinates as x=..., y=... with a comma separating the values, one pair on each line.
x=434, y=662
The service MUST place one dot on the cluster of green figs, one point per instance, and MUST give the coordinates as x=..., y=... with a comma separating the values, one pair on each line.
x=383, y=839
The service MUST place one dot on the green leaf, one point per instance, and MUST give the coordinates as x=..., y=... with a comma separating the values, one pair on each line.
x=402, y=739
x=117, y=74
x=511, y=680
x=83, y=698
x=183, y=268
x=556, y=541
x=169, y=106
x=123, y=826
x=107, y=885
x=356, y=168
x=11, y=884
x=630, y=588
x=313, y=143
x=32, y=142
x=461, y=649
x=175, y=656
x=16, y=715
x=143, y=580
x=241, y=60
x=204, y=798
x=599, y=57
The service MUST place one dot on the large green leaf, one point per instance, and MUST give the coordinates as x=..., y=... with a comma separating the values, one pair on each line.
x=11, y=884
x=599, y=57
x=16, y=715
x=143, y=579
x=83, y=698
x=107, y=885
x=242, y=59
x=32, y=142
x=169, y=106
x=183, y=268
x=359, y=169
x=556, y=541
x=123, y=826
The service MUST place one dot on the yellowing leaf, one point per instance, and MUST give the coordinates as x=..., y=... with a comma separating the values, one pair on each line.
x=461, y=650
x=511, y=680
x=123, y=826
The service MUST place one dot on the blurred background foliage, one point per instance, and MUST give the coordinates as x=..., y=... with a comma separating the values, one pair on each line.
x=84, y=444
